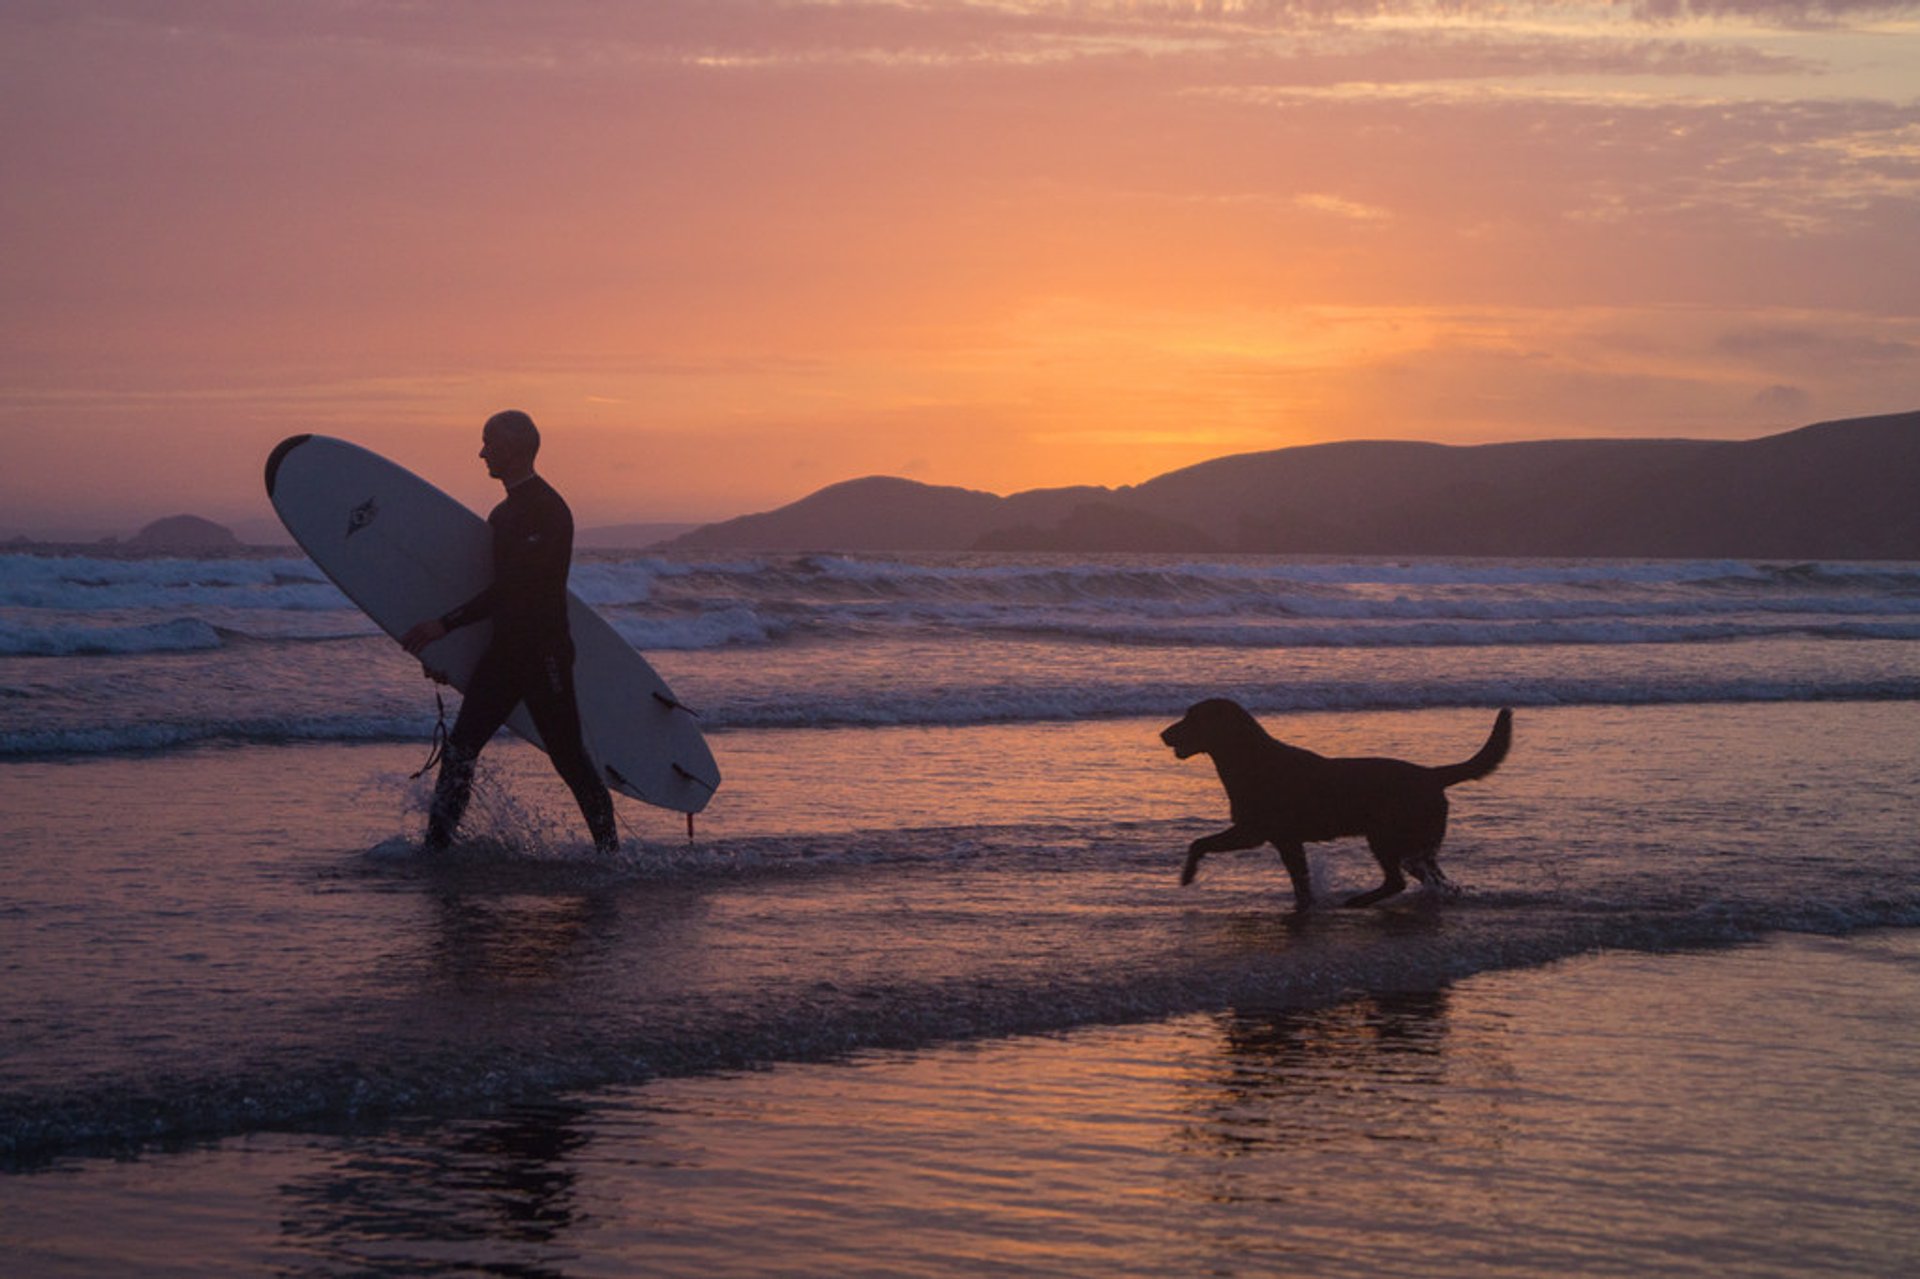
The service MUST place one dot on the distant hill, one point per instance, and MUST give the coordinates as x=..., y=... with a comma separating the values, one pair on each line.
x=183, y=533
x=881, y=513
x=1101, y=525
x=1835, y=490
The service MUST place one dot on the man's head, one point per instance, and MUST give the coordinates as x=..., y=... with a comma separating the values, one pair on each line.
x=508, y=443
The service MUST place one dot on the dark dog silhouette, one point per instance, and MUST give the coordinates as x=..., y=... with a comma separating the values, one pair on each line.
x=1288, y=797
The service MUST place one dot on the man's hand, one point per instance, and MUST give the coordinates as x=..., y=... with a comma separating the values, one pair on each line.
x=422, y=635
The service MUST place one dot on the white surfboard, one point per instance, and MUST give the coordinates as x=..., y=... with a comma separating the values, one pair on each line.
x=404, y=552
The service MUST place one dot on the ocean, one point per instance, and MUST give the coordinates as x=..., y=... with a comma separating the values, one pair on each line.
x=921, y=994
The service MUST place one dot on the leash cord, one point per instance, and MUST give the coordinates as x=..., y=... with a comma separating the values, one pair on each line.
x=439, y=748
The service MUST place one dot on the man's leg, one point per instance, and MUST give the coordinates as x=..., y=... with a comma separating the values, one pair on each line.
x=490, y=698
x=550, y=700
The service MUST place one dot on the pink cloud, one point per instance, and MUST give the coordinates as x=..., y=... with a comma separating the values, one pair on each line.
x=796, y=226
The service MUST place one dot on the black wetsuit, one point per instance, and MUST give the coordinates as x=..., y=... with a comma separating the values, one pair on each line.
x=530, y=659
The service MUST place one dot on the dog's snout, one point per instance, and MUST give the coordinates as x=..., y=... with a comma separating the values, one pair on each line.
x=1175, y=736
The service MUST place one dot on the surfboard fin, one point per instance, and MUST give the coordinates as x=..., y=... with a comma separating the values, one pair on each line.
x=695, y=778
x=674, y=704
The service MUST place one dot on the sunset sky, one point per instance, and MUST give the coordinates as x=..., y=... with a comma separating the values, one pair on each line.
x=728, y=251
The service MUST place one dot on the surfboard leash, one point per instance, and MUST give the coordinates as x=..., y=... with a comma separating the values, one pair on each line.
x=439, y=749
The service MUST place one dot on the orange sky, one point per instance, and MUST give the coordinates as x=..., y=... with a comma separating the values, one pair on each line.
x=727, y=251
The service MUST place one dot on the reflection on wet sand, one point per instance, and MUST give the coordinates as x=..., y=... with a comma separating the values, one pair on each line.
x=1283, y=1083
x=1601, y=1117
x=519, y=942
x=495, y=1196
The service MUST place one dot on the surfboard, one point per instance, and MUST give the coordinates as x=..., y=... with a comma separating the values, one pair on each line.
x=404, y=551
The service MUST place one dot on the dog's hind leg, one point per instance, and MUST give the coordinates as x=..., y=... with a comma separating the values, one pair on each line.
x=1396, y=883
x=1427, y=870
x=1294, y=858
x=1407, y=842
x=1392, y=852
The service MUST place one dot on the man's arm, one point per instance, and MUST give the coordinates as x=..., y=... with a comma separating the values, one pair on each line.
x=421, y=634
x=424, y=633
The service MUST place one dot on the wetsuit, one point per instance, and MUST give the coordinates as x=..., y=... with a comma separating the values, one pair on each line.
x=530, y=659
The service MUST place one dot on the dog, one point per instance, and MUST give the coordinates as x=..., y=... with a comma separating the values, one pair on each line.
x=1288, y=797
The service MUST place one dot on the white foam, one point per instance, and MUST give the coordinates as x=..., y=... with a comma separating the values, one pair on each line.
x=90, y=583
x=1397, y=633
x=123, y=738
x=717, y=629
x=181, y=635
x=676, y=604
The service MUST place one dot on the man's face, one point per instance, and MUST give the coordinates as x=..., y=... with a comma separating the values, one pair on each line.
x=499, y=454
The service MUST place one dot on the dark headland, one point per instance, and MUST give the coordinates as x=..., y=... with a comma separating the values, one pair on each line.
x=175, y=535
x=184, y=534
x=1835, y=490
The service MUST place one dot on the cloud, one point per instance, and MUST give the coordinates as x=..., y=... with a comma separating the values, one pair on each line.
x=1339, y=207
x=593, y=38
x=1791, y=14
x=1022, y=232
x=1790, y=402
x=1823, y=349
x=1722, y=167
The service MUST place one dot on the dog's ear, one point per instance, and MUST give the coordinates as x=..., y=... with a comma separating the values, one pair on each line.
x=1223, y=711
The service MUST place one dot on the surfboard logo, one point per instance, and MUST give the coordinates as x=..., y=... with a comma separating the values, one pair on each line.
x=361, y=516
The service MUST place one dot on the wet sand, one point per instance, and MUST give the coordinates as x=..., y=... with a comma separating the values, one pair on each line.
x=1753, y=1111
x=958, y=1017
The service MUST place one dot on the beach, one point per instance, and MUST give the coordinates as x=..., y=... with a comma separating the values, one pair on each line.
x=944, y=399
x=922, y=995
x=1644, y=1114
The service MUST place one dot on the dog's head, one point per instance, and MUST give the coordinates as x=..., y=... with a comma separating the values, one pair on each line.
x=1207, y=726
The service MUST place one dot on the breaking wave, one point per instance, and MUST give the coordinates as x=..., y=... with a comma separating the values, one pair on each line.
x=786, y=708
x=182, y=635
x=52, y=606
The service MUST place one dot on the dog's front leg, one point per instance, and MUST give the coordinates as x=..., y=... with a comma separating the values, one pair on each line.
x=1226, y=841
x=1294, y=858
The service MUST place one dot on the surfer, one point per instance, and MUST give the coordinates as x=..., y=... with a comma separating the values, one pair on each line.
x=530, y=657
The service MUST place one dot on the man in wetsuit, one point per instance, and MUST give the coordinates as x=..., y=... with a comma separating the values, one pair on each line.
x=530, y=658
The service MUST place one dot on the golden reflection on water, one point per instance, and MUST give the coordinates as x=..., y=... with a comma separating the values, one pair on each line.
x=1749, y=1112
x=1620, y=1114
x=517, y=942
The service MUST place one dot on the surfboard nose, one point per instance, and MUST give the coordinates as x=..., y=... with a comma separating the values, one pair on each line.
x=279, y=455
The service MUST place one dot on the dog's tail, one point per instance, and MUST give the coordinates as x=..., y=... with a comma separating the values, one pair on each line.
x=1486, y=761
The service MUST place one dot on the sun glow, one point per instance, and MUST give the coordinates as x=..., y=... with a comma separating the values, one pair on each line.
x=743, y=251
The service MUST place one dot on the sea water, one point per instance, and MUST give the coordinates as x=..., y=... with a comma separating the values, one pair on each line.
x=924, y=988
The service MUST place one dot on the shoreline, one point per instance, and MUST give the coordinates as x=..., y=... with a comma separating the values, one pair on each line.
x=1649, y=1111
x=300, y=967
